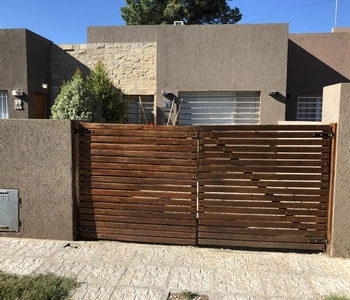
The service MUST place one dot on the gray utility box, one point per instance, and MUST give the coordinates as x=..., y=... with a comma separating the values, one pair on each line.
x=9, y=210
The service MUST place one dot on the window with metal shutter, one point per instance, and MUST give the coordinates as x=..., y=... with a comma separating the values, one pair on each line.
x=226, y=108
x=309, y=109
x=4, y=114
x=140, y=109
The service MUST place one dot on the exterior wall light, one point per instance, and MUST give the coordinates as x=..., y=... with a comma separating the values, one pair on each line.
x=17, y=93
x=44, y=85
x=273, y=93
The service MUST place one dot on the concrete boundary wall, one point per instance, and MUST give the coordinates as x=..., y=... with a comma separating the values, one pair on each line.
x=336, y=109
x=36, y=159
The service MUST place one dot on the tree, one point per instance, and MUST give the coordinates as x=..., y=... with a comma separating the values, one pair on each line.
x=152, y=12
x=77, y=102
x=111, y=98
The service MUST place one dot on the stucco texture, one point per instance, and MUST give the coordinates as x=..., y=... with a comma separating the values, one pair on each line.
x=216, y=58
x=13, y=68
x=315, y=61
x=36, y=159
x=337, y=102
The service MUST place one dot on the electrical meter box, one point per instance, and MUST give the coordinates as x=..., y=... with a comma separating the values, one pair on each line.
x=9, y=202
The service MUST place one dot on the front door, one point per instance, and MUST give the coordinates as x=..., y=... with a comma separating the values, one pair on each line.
x=39, y=106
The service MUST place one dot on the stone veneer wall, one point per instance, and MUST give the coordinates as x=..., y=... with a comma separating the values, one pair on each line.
x=131, y=66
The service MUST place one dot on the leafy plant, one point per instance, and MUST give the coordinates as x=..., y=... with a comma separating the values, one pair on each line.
x=109, y=97
x=39, y=287
x=77, y=102
x=189, y=294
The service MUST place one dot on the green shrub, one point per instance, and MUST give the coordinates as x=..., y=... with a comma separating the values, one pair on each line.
x=110, y=98
x=77, y=102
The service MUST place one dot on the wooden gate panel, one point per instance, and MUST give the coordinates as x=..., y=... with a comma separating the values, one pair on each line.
x=264, y=186
x=138, y=183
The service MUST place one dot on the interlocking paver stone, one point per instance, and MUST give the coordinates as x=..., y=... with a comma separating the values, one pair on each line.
x=126, y=271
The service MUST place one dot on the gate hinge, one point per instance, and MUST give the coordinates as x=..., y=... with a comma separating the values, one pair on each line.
x=324, y=135
x=82, y=130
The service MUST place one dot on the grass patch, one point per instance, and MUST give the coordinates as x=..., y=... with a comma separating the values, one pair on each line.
x=336, y=297
x=39, y=287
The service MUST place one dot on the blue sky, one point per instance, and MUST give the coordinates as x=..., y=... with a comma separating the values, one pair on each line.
x=66, y=21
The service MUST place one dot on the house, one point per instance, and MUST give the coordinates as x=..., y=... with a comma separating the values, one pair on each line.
x=24, y=71
x=214, y=74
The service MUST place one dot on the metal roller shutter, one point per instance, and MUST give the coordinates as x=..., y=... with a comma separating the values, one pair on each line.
x=224, y=108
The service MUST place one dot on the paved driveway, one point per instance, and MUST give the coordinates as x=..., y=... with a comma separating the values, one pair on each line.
x=114, y=270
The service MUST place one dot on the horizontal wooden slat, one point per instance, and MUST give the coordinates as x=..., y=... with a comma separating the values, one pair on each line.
x=263, y=218
x=266, y=197
x=138, y=207
x=137, y=180
x=262, y=231
x=140, y=199
x=260, y=176
x=236, y=128
x=218, y=162
x=258, y=134
x=264, y=211
x=265, y=169
x=208, y=144
x=166, y=214
x=141, y=232
x=137, y=147
x=244, y=155
x=154, y=219
x=277, y=204
x=138, y=174
x=127, y=226
x=141, y=153
x=139, y=239
x=251, y=148
x=262, y=245
x=138, y=140
x=138, y=167
x=264, y=183
x=141, y=193
x=137, y=160
x=260, y=238
x=137, y=187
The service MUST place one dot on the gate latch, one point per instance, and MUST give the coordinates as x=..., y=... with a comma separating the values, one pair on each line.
x=324, y=135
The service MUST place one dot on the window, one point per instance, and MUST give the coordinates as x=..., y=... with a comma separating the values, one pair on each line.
x=140, y=109
x=225, y=108
x=309, y=109
x=4, y=112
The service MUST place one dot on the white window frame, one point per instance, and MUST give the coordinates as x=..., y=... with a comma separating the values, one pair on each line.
x=309, y=108
x=220, y=108
x=4, y=111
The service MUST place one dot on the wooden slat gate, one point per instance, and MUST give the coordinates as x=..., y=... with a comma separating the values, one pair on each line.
x=229, y=186
x=138, y=183
x=264, y=186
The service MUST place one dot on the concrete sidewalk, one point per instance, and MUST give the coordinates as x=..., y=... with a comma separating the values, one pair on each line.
x=114, y=270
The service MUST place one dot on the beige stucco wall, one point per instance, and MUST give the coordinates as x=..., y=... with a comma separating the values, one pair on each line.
x=336, y=109
x=216, y=58
x=131, y=66
x=36, y=159
x=314, y=61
